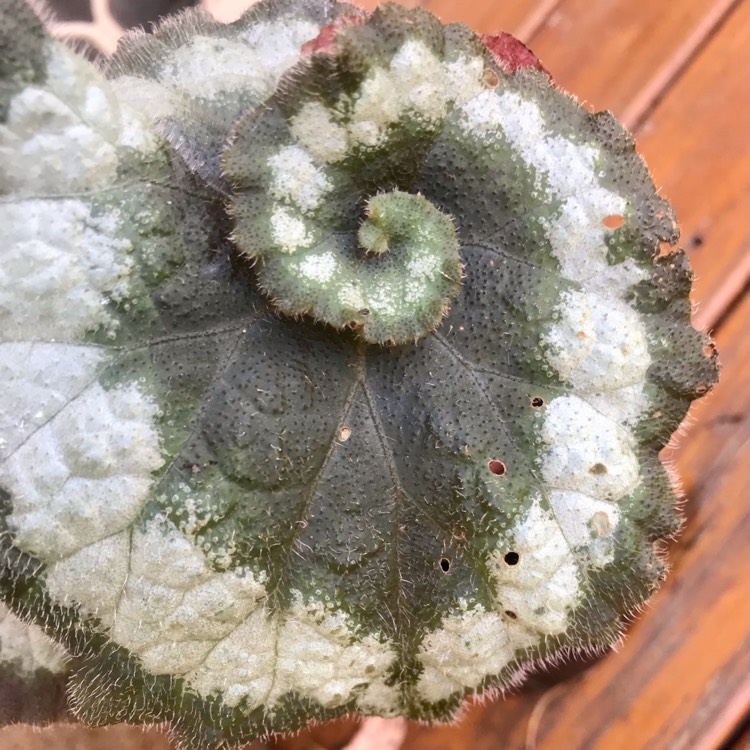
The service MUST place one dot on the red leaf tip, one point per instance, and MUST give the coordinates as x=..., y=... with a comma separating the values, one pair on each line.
x=511, y=55
x=326, y=37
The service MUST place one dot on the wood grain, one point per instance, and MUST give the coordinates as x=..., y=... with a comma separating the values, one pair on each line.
x=75, y=737
x=696, y=146
x=741, y=741
x=522, y=18
x=721, y=418
x=610, y=53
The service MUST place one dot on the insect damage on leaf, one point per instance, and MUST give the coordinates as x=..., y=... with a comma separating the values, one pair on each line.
x=338, y=352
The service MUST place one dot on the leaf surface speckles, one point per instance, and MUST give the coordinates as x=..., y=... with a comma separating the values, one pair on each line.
x=349, y=401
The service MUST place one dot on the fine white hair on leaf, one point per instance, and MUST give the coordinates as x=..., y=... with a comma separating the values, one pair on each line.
x=25, y=648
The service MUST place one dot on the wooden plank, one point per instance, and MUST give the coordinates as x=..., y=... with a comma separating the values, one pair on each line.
x=521, y=18
x=695, y=144
x=332, y=734
x=670, y=70
x=610, y=53
x=76, y=737
x=742, y=741
x=483, y=725
x=721, y=417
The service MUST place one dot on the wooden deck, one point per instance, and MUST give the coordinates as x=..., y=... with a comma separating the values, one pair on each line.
x=676, y=73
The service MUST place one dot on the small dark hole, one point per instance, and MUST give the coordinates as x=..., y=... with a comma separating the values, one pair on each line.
x=695, y=241
x=598, y=469
x=537, y=402
x=512, y=558
x=445, y=565
x=496, y=467
x=510, y=614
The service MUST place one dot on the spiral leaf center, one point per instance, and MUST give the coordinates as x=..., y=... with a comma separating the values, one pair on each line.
x=323, y=180
x=416, y=271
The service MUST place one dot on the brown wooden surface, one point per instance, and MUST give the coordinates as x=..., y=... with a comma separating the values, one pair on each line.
x=741, y=741
x=676, y=72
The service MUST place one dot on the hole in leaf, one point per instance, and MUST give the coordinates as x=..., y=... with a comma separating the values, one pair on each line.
x=512, y=558
x=598, y=469
x=445, y=564
x=345, y=433
x=613, y=221
x=496, y=467
x=600, y=524
x=709, y=349
x=511, y=614
x=537, y=402
x=701, y=389
x=490, y=78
